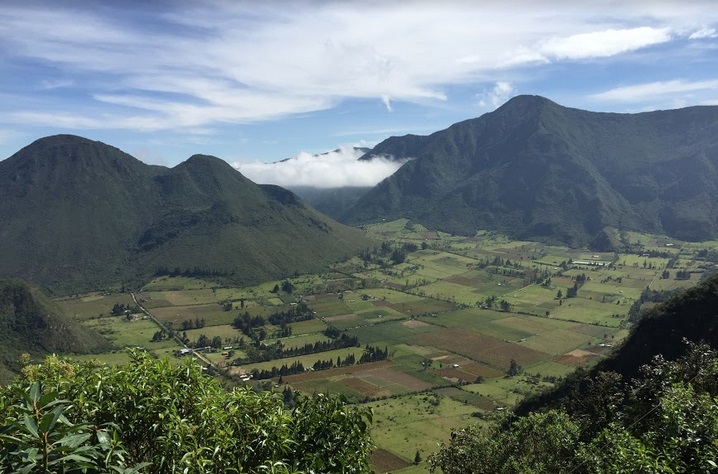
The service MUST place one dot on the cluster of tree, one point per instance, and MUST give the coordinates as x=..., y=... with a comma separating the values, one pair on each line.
x=287, y=287
x=160, y=335
x=298, y=312
x=188, y=324
x=510, y=272
x=284, y=330
x=120, y=308
x=665, y=420
x=373, y=354
x=195, y=272
x=572, y=292
x=491, y=302
x=497, y=262
x=261, y=374
x=708, y=255
x=386, y=251
x=265, y=353
x=204, y=341
x=683, y=275
x=247, y=324
x=151, y=417
x=370, y=354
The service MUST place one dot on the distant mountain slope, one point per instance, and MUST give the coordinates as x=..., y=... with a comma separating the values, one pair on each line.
x=77, y=214
x=333, y=202
x=536, y=170
x=31, y=323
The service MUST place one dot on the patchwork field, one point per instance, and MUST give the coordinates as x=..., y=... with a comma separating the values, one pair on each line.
x=449, y=322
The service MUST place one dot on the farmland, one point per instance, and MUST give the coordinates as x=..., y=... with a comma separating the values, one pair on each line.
x=459, y=328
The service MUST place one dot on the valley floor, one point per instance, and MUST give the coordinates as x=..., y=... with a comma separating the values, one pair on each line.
x=459, y=329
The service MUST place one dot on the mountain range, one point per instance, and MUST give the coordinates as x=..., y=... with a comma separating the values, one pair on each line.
x=77, y=215
x=533, y=169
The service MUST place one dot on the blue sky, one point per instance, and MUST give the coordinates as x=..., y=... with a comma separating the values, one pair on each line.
x=254, y=82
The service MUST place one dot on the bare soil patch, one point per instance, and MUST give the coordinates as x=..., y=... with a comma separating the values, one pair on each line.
x=462, y=280
x=401, y=378
x=481, y=348
x=383, y=461
x=413, y=323
x=575, y=358
x=362, y=386
x=325, y=374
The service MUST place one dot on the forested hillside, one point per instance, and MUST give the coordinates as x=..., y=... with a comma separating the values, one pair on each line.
x=30, y=323
x=81, y=215
x=533, y=169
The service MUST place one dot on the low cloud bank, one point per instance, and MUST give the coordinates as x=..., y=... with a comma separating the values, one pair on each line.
x=335, y=169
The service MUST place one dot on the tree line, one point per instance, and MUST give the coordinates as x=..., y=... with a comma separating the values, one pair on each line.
x=370, y=354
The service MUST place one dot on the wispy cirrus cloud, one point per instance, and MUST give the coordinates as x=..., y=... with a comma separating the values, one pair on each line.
x=206, y=66
x=654, y=90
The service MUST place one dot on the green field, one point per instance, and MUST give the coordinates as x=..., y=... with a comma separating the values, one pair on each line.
x=448, y=351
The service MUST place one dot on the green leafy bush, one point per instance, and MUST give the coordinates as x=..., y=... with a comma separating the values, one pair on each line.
x=666, y=420
x=152, y=417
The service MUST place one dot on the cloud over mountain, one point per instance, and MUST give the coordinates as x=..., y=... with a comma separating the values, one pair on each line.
x=335, y=169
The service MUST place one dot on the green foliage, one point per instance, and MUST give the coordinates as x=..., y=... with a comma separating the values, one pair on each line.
x=167, y=419
x=109, y=218
x=664, y=421
x=31, y=323
x=38, y=437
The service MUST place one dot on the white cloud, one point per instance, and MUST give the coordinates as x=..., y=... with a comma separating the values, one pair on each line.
x=339, y=168
x=501, y=92
x=704, y=33
x=599, y=44
x=654, y=90
x=202, y=64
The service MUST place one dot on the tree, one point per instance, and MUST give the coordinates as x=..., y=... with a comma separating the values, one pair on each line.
x=287, y=287
x=417, y=457
x=559, y=294
x=514, y=368
x=398, y=256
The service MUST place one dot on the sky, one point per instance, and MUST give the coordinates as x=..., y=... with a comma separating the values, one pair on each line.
x=258, y=82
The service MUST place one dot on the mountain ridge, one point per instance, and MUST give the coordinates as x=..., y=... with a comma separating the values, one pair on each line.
x=77, y=215
x=536, y=170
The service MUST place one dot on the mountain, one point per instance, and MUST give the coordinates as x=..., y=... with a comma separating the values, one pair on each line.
x=31, y=323
x=77, y=214
x=536, y=170
x=333, y=202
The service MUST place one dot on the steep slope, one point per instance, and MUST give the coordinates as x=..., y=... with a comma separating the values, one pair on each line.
x=536, y=170
x=77, y=214
x=31, y=323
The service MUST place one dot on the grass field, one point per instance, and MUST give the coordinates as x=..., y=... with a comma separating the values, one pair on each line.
x=429, y=312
